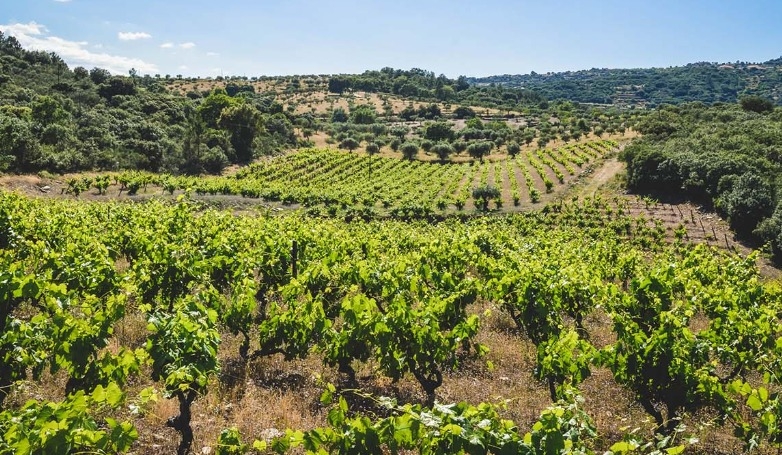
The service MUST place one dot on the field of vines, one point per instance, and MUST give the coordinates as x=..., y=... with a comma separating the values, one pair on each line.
x=149, y=327
x=332, y=183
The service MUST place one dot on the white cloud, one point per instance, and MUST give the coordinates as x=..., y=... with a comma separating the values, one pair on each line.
x=133, y=36
x=183, y=67
x=188, y=45
x=212, y=54
x=62, y=1
x=167, y=45
x=30, y=28
x=75, y=53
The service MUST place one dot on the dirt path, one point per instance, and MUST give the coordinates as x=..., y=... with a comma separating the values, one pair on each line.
x=602, y=175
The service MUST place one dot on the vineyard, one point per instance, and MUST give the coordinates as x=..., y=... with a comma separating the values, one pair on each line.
x=170, y=327
x=331, y=183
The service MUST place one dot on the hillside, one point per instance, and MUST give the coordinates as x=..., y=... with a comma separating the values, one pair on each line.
x=727, y=157
x=62, y=119
x=59, y=119
x=386, y=262
x=650, y=87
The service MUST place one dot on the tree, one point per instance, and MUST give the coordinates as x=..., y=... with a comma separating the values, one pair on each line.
x=513, y=149
x=47, y=110
x=280, y=128
x=339, y=115
x=439, y=131
x=660, y=123
x=749, y=200
x=757, y=104
x=770, y=230
x=400, y=131
x=443, y=150
x=462, y=84
x=430, y=112
x=445, y=93
x=80, y=73
x=463, y=112
x=363, y=115
x=242, y=122
x=408, y=113
x=650, y=169
x=233, y=89
x=372, y=148
x=471, y=134
x=18, y=146
x=395, y=144
x=117, y=86
x=99, y=76
x=133, y=74
x=475, y=123
x=378, y=129
x=479, y=149
x=338, y=84
x=484, y=194
x=193, y=146
x=409, y=150
x=349, y=143
x=56, y=134
x=214, y=104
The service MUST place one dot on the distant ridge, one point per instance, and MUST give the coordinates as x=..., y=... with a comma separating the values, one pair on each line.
x=706, y=82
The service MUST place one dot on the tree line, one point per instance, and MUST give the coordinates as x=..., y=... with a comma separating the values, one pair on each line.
x=651, y=87
x=424, y=85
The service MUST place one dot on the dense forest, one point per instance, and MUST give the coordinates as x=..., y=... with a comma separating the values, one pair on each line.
x=727, y=156
x=650, y=87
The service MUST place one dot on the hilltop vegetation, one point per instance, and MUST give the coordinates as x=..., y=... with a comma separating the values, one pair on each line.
x=58, y=119
x=417, y=83
x=728, y=156
x=651, y=87
x=67, y=120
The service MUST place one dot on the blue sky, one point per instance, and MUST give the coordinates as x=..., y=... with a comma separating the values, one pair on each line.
x=475, y=38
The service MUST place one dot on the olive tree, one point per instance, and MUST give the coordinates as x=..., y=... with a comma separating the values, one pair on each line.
x=480, y=149
x=484, y=194
x=409, y=150
x=349, y=143
x=443, y=150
